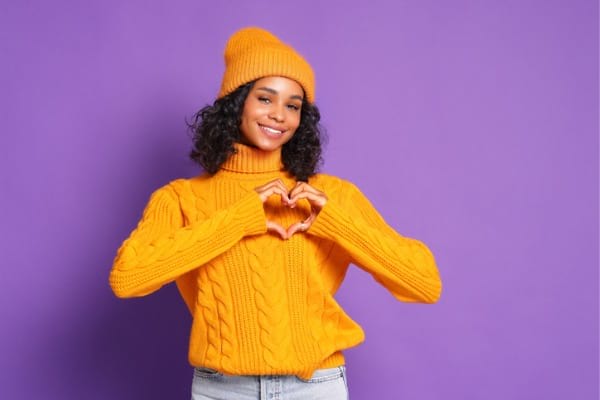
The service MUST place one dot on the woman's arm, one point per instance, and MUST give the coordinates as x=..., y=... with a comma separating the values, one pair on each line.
x=405, y=266
x=160, y=248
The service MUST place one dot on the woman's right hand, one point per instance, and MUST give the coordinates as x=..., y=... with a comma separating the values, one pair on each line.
x=274, y=187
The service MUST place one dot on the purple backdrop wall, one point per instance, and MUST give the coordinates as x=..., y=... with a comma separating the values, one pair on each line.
x=472, y=126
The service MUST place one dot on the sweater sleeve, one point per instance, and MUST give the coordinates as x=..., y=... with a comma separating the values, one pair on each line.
x=405, y=266
x=160, y=248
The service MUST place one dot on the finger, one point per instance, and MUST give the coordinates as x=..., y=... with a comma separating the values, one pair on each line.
x=275, y=190
x=297, y=227
x=285, y=197
x=316, y=200
x=302, y=225
x=275, y=227
x=282, y=191
x=309, y=188
x=267, y=190
x=311, y=218
x=267, y=185
x=296, y=189
x=306, y=188
x=302, y=186
x=274, y=183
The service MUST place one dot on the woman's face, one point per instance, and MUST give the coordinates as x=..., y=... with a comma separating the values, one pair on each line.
x=271, y=113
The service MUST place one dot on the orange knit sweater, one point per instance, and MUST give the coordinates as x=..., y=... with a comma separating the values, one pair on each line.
x=261, y=304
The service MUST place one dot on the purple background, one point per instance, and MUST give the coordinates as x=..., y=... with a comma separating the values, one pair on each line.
x=471, y=125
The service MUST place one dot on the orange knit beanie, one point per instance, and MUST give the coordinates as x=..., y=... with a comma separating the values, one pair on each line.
x=252, y=53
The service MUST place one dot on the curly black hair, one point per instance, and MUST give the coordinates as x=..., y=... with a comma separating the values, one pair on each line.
x=215, y=128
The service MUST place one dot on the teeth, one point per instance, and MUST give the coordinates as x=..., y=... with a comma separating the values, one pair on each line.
x=271, y=130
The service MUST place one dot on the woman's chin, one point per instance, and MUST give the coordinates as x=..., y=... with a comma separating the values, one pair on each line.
x=268, y=145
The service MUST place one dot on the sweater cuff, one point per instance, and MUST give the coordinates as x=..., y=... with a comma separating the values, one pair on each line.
x=251, y=214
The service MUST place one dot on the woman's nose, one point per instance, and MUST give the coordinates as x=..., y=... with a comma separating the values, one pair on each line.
x=276, y=114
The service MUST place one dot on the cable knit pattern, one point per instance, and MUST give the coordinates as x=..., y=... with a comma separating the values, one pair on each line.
x=207, y=311
x=270, y=299
x=260, y=304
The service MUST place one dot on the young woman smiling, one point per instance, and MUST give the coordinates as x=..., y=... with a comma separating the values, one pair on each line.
x=260, y=241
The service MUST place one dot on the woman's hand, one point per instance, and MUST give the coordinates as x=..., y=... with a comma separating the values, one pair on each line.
x=315, y=197
x=302, y=190
x=274, y=187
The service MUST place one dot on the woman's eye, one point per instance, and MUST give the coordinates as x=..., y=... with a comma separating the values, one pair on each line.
x=264, y=99
x=294, y=107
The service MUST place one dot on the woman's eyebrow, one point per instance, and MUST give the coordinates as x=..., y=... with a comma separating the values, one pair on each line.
x=273, y=91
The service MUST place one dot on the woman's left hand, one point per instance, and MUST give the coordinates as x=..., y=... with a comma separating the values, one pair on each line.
x=315, y=197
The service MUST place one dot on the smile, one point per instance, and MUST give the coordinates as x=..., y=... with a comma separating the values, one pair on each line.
x=270, y=131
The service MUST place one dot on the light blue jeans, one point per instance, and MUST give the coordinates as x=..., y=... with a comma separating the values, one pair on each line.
x=325, y=384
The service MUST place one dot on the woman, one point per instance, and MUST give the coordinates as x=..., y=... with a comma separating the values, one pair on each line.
x=259, y=243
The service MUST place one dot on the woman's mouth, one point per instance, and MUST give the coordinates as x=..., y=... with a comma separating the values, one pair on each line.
x=270, y=131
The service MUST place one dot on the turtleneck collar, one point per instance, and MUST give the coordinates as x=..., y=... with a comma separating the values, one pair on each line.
x=251, y=160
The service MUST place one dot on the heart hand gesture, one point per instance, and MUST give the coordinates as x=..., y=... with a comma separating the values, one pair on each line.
x=302, y=190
